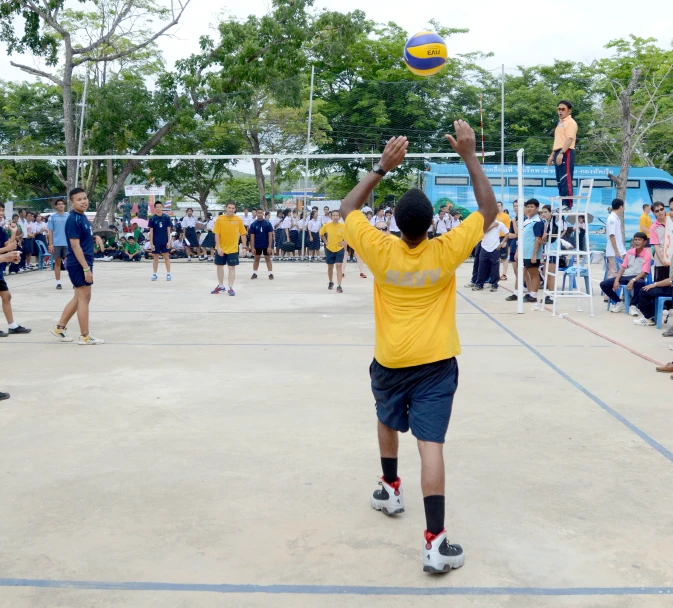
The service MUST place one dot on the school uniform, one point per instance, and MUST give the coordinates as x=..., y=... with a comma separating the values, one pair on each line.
x=189, y=225
x=209, y=241
x=295, y=235
x=313, y=226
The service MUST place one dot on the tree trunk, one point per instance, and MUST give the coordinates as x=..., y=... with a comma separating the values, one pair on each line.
x=204, y=205
x=110, y=181
x=69, y=115
x=272, y=182
x=253, y=143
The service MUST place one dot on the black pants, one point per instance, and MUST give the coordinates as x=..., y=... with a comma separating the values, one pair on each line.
x=647, y=299
x=475, y=264
x=606, y=288
x=564, y=175
x=489, y=266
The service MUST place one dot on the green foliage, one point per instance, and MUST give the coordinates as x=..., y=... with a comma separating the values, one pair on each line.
x=242, y=190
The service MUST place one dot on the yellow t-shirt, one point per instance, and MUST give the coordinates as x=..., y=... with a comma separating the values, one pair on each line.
x=335, y=235
x=645, y=223
x=564, y=129
x=229, y=228
x=414, y=290
x=504, y=218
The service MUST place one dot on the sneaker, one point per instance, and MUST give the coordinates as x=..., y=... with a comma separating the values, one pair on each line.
x=154, y=277
x=511, y=298
x=478, y=288
x=19, y=330
x=668, y=333
x=168, y=276
x=390, y=498
x=439, y=555
x=363, y=275
x=469, y=285
x=494, y=288
x=59, y=286
x=271, y=277
x=619, y=307
x=254, y=275
x=231, y=292
x=61, y=334
x=548, y=301
x=339, y=289
x=218, y=289
x=3, y=334
x=89, y=340
x=644, y=321
x=330, y=285
x=529, y=298
x=633, y=311
x=4, y=396
x=189, y=259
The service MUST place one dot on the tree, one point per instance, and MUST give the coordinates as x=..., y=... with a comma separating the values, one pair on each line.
x=638, y=83
x=113, y=30
x=241, y=190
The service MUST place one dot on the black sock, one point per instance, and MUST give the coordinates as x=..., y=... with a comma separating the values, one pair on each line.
x=434, y=513
x=389, y=466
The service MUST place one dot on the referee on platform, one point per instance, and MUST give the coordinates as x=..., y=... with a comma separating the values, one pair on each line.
x=563, y=152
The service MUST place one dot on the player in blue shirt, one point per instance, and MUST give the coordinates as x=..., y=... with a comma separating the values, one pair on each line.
x=160, y=237
x=260, y=243
x=58, y=241
x=8, y=245
x=79, y=264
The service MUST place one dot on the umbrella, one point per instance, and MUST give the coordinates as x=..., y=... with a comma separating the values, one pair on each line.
x=141, y=222
x=587, y=220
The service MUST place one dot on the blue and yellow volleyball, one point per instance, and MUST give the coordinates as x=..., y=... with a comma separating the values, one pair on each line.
x=425, y=53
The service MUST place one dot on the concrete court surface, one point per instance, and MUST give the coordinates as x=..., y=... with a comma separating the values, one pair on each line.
x=221, y=451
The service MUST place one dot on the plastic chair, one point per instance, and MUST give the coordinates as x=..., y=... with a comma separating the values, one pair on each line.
x=43, y=256
x=659, y=310
x=577, y=271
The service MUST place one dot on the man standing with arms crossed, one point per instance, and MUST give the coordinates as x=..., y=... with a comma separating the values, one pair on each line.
x=227, y=230
x=414, y=373
x=79, y=265
x=58, y=242
x=563, y=152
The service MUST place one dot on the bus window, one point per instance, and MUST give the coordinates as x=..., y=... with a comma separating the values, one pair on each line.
x=452, y=180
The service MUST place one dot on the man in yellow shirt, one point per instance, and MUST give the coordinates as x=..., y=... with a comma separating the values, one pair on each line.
x=334, y=248
x=414, y=373
x=646, y=221
x=563, y=151
x=227, y=230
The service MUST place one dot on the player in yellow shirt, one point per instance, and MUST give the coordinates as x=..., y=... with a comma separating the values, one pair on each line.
x=414, y=373
x=227, y=230
x=334, y=248
x=646, y=219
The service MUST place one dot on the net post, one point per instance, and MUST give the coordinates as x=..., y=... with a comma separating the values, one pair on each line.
x=519, y=219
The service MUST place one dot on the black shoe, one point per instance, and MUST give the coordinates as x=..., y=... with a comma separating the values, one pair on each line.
x=512, y=298
x=331, y=285
x=530, y=298
x=19, y=330
x=339, y=289
x=254, y=275
x=548, y=300
x=4, y=396
x=59, y=286
x=494, y=288
x=3, y=334
x=478, y=288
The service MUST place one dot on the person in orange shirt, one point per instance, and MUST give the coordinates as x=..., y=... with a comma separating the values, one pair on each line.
x=227, y=230
x=414, y=374
x=563, y=152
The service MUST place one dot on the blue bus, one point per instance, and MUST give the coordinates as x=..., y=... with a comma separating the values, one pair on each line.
x=450, y=182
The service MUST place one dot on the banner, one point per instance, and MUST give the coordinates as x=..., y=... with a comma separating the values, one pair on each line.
x=668, y=239
x=140, y=190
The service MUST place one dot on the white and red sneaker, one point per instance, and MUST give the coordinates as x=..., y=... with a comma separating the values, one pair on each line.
x=439, y=555
x=390, y=498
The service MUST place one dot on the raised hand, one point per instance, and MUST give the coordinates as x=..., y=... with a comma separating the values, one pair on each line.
x=465, y=142
x=394, y=153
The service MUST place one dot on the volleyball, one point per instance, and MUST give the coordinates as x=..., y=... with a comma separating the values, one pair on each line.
x=425, y=53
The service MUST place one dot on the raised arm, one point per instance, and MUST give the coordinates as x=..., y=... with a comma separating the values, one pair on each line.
x=465, y=144
x=392, y=156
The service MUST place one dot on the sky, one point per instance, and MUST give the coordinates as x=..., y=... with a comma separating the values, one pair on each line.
x=526, y=32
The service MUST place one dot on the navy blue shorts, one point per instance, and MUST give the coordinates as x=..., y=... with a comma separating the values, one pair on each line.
x=228, y=259
x=512, y=249
x=161, y=248
x=334, y=257
x=419, y=397
x=76, y=273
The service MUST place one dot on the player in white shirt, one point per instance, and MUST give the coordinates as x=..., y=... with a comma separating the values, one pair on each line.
x=313, y=240
x=615, y=245
x=442, y=224
x=248, y=219
x=489, y=258
x=189, y=226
